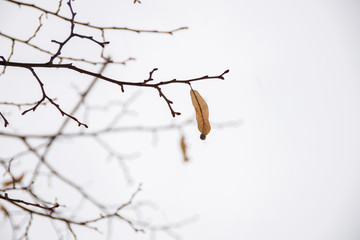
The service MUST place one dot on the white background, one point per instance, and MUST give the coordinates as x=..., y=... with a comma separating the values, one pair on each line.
x=290, y=170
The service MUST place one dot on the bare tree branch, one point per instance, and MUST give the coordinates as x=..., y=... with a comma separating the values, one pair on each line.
x=144, y=83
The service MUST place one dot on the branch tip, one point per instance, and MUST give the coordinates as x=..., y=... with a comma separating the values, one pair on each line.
x=6, y=123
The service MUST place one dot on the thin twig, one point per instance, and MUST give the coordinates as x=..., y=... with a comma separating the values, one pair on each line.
x=11, y=54
x=62, y=57
x=45, y=96
x=86, y=24
x=37, y=30
x=50, y=209
x=72, y=34
x=6, y=123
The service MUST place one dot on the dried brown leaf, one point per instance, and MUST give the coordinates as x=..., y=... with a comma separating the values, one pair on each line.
x=16, y=180
x=202, y=113
x=184, y=149
x=7, y=183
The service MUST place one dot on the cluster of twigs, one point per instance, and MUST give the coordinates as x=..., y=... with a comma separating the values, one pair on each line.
x=32, y=204
x=50, y=64
x=38, y=206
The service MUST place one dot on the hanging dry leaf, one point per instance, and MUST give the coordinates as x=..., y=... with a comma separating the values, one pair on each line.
x=202, y=113
x=184, y=148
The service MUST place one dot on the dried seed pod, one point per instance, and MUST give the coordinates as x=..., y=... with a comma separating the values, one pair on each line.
x=202, y=113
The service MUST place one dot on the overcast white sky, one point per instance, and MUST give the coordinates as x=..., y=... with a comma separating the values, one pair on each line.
x=291, y=170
